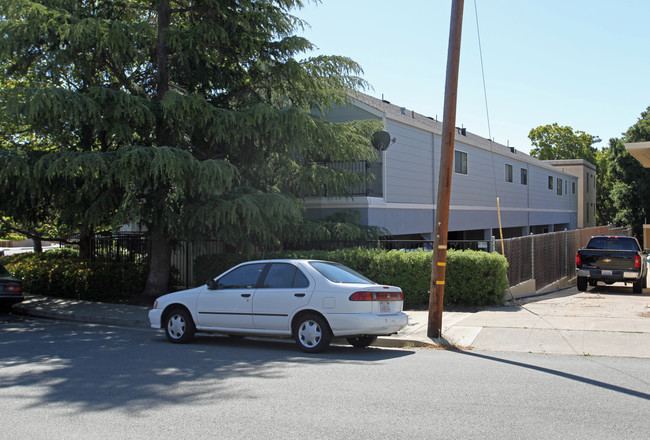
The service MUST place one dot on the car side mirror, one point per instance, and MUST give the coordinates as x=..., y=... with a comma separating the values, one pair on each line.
x=212, y=284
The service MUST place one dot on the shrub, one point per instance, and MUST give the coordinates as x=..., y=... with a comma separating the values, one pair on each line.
x=60, y=273
x=472, y=277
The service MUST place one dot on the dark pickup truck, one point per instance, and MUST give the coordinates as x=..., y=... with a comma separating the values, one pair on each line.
x=612, y=259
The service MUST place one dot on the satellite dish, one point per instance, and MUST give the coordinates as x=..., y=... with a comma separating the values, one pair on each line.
x=381, y=140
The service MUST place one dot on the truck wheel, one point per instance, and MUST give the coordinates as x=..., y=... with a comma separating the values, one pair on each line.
x=582, y=284
x=637, y=287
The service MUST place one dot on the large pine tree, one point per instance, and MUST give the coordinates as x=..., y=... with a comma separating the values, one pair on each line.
x=193, y=118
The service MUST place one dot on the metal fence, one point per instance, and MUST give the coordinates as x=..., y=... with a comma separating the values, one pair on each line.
x=133, y=247
x=405, y=245
x=183, y=256
x=545, y=258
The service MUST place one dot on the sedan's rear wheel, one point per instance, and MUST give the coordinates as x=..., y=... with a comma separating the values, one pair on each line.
x=361, y=341
x=312, y=334
x=179, y=326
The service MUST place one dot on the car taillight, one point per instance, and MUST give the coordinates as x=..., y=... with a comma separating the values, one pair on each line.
x=13, y=288
x=637, y=262
x=578, y=260
x=377, y=296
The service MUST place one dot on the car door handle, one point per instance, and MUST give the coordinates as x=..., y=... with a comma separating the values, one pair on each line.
x=245, y=295
x=298, y=295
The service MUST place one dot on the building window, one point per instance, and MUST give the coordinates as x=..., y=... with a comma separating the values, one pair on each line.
x=566, y=187
x=588, y=180
x=508, y=173
x=461, y=162
x=524, y=176
x=550, y=182
x=573, y=187
x=559, y=186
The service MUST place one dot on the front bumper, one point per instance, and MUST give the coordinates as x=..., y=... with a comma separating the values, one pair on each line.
x=155, y=316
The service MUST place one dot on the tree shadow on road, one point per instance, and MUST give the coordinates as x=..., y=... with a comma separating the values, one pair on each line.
x=96, y=368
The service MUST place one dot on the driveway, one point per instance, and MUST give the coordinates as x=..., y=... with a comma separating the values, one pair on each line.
x=599, y=322
x=602, y=321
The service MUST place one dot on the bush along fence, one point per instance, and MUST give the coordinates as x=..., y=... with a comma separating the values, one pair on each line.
x=118, y=269
x=472, y=277
x=62, y=274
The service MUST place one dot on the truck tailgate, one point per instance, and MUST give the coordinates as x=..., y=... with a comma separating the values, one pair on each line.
x=612, y=260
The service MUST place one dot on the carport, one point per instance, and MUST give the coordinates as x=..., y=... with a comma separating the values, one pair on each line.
x=641, y=152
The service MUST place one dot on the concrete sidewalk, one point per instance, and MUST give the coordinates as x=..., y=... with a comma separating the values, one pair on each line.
x=604, y=322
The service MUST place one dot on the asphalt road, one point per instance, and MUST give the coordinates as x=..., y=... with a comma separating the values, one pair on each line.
x=76, y=381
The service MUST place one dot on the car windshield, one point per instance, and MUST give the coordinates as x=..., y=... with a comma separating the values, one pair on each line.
x=338, y=273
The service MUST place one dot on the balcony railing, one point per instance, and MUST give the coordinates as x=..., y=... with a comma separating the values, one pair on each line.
x=371, y=184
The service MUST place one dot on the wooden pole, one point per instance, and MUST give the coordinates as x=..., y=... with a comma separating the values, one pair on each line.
x=441, y=226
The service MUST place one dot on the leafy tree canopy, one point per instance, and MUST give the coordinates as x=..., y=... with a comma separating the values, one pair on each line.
x=630, y=189
x=553, y=142
x=191, y=117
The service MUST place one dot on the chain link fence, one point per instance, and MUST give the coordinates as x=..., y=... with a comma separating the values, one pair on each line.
x=547, y=258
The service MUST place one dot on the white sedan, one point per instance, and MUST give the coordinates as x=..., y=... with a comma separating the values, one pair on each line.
x=309, y=300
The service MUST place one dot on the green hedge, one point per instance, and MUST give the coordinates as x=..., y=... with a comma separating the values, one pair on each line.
x=472, y=277
x=60, y=273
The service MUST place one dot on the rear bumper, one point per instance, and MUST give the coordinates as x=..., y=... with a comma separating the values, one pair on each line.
x=350, y=324
x=7, y=298
x=611, y=275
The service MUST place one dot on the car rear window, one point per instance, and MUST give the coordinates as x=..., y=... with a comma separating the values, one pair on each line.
x=338, y=273
x=613, y=243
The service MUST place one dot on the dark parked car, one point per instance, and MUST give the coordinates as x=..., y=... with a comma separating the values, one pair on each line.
x=612, y=259
x=11, y=288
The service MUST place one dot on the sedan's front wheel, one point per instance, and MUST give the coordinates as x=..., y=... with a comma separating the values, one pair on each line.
x=312, y=334
x=179, y=326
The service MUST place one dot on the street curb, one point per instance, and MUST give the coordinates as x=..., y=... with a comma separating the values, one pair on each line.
x=91, y=318
x=38, y=312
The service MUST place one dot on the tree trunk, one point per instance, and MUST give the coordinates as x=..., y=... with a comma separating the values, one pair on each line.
x=38, y=245
x=162, y=70
x=161, y=249
x=84, y=244
x=159, y=266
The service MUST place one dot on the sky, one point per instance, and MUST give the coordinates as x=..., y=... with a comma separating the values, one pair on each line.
x=578, y=63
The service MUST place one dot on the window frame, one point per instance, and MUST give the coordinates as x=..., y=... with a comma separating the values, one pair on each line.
x=509, y=174
x=460, y=167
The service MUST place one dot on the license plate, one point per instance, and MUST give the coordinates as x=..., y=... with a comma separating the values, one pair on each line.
x=606, y=272
x=384, y=307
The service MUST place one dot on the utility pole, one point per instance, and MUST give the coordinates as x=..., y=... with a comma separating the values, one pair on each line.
x=441, y=226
